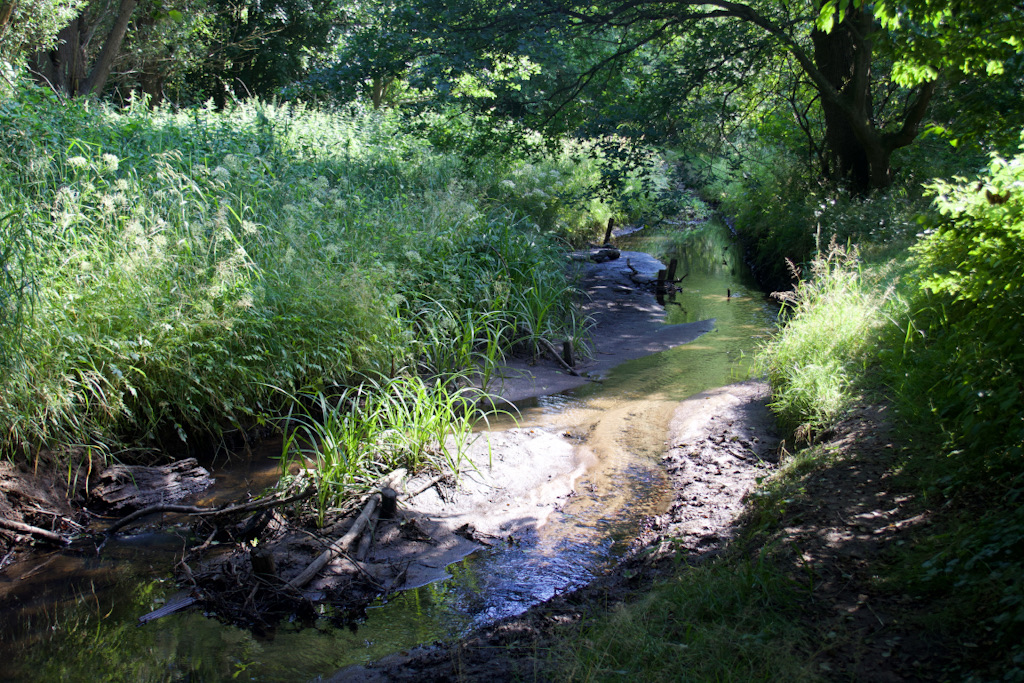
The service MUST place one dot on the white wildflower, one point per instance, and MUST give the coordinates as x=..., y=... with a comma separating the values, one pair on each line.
x=78, y=162
x=110, y=162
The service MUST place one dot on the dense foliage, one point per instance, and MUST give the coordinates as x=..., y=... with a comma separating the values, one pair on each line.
x=176, y=272
x=939, y=336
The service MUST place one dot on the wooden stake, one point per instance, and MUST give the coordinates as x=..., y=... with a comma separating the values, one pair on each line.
x=608, y=232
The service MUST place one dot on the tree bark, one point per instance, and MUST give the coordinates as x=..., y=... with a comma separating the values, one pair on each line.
x=840, y=71
x=62, y=68
x=837, y=55
x=111, y=46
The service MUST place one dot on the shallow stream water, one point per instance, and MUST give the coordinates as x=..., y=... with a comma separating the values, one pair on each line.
x=73, y=617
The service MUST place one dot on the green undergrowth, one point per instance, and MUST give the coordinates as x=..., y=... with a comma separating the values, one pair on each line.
x=731, y=619
x=935, y=331
x=179, y=275
x=929, y=324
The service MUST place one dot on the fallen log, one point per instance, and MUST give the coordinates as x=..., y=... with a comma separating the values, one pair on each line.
x=132, y=487
x=340, y=546
x=252, y=506
x=43, y=534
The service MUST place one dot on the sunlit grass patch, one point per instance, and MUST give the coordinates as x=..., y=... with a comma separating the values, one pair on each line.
x=818, y=362
x=354, y=436
x=175, y=271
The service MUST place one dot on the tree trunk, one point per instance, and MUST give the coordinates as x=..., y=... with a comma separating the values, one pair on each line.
x=839, y=56
x=65, y=69
x=6, y=10
x=380, y=87
x=101, y=71
x=62, y=68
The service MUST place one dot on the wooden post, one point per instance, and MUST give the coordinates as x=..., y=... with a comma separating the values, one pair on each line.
x=672, y=265
x=263, y=563
x=567, y=353
x=388, y=502
x=608, y=232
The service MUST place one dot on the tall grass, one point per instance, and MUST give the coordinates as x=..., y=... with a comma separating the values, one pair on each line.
x=946, y=353
x=818, y=360
x=356, y=435
x=189, y=269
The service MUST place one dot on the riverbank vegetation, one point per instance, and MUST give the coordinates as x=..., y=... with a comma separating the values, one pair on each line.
x=397, y=215
x=910, y=300
x=178, y=276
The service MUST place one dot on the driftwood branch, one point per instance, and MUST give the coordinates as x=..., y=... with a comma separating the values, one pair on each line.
x=340, y=546
x=426, y=485
x=43, y=534
x=259, y=504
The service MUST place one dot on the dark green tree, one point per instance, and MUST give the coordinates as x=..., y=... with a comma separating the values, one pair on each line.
x=873, y=68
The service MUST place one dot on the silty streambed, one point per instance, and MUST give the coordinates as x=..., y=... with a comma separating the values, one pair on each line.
x=74, y=617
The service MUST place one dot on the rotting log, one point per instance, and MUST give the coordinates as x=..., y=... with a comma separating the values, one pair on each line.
x=132, y=487
x=252, y=506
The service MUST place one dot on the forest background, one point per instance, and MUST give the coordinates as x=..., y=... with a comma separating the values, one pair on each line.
x=216, y=212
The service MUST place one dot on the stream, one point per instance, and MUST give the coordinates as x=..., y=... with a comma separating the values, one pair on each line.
x=74, y=617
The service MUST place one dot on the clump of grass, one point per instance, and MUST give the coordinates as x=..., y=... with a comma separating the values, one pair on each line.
x=358, y=434
x=721, y=621
x=817, y=363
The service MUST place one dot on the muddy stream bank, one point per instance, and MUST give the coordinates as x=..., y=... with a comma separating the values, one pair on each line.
x=595, y=443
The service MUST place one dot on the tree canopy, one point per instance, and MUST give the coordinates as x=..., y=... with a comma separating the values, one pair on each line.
x=871, y=69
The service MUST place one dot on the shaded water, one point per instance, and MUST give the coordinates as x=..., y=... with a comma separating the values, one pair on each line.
x=75, y=618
